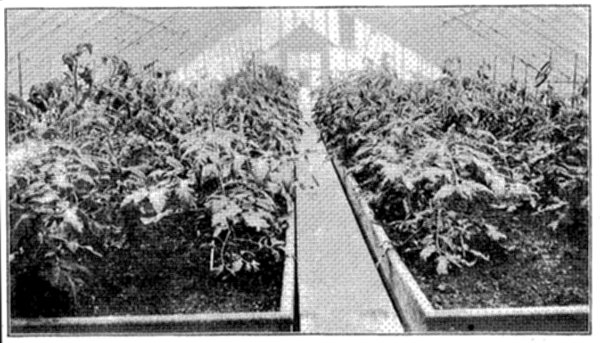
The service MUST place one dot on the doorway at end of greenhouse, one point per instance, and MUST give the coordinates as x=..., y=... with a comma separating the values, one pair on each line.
x=306, y=67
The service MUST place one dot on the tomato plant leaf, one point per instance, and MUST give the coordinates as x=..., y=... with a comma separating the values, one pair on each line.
x=427, y=252
x=136, y=197
x=255, y=220
x=70, y=217
x=442, y=265
x=494, y=233
x=158, y=198
x=185, y=193
x=156, y=218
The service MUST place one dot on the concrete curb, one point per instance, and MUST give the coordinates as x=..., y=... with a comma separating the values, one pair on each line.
x=417, y=313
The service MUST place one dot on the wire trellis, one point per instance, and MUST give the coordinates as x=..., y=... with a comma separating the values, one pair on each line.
x=211, y=43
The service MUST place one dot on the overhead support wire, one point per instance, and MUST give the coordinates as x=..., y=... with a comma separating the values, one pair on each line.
x=550, y=47
x=33, y=28
x=63, y=23
x=477, y=32
x=558, y=18
x=458, y=16
x=179, y=35
x=140, y=37
x=528, y=27
x=543, y=35
x=150, y=21
x=45, y=33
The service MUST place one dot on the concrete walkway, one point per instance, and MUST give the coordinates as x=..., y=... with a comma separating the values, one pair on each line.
x=340, y=290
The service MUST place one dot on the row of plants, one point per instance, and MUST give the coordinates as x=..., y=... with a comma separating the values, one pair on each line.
x=141, y=176
x=471, y=178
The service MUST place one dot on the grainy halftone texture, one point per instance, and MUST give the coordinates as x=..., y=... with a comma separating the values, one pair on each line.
x=339, y=287
x=340, y=290
x=310, y=44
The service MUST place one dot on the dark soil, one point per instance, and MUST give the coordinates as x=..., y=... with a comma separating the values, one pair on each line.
x=166, y=274
x=540, y=268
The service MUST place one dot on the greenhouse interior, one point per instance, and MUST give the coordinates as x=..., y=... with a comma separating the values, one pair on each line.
x=308, y=170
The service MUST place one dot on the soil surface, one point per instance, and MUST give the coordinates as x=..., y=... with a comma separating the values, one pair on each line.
x=166, y=274
x=540, y=268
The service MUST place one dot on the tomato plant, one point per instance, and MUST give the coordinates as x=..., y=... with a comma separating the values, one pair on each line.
x=435, y=156
x=133, y=153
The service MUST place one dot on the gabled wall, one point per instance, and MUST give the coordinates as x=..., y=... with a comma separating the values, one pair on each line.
x=320, y=42
x=373, y=47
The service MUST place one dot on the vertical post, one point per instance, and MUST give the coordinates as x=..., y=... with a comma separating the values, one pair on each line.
x=512, y=68
x=525, y=82
x=21, y=75
x=254, y=64
x=548, y=82
x=495, y=66
x=548, y=85
x=460, y=66
x=574, y=81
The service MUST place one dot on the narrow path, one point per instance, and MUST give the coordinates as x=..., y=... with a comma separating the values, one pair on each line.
x=340, y=290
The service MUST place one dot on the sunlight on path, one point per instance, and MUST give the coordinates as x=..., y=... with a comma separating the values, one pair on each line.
x=340, y=289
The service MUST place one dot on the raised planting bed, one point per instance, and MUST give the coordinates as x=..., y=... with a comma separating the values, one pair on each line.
x=416, y=311
x=280, y=319
x=481, y=188
x=150, y=204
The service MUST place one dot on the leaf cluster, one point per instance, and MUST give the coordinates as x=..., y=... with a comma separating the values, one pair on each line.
x=438, y=155
x=133, y=153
